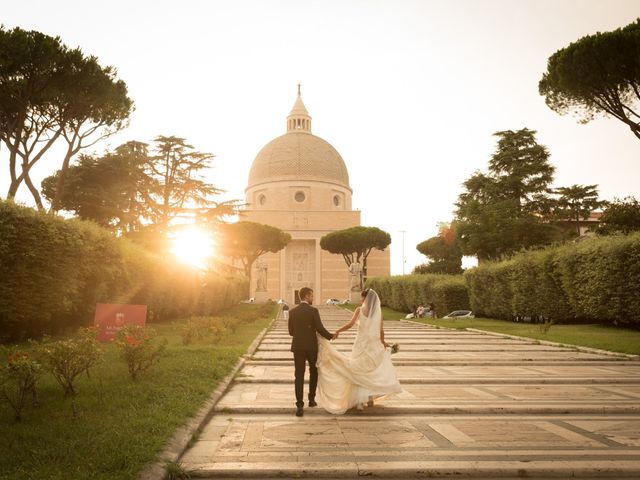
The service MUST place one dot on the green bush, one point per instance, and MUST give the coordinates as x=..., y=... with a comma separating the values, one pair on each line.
x=138, y=348
x=490, y=290
x=18, y=382
x=597, y=279
x=68, y=358
x=446, y=292
x=54, y=271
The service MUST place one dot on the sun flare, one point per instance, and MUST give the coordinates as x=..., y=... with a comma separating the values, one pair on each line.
x=193, y=246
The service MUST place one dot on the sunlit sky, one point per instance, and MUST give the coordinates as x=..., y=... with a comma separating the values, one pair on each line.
x=409, y=92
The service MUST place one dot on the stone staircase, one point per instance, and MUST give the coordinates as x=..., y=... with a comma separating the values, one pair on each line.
x=475, y=405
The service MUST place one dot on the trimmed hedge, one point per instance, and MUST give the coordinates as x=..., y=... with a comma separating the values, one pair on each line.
x=597, y=279
x=446, y=292
x=53, y=271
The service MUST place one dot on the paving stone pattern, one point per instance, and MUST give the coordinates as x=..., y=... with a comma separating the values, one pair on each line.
x=474, y=405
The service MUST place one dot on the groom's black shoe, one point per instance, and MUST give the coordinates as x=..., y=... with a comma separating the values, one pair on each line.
x=312, y=403
x=299, y=412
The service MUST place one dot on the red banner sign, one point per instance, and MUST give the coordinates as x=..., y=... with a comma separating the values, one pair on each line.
x=112, y=317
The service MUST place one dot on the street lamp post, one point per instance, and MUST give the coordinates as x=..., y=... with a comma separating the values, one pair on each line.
x=403, y=261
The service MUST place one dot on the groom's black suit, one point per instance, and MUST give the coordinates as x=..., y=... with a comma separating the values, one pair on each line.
x=304, y=323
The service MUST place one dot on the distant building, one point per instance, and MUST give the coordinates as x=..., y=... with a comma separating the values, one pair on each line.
x=299, y=183
x=587, y=225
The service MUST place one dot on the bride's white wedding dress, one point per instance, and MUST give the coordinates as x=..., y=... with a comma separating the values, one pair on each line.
x=344, y=381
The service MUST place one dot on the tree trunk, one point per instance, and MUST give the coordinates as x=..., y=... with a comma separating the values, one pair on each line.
x=34, y=191
x=55, y=203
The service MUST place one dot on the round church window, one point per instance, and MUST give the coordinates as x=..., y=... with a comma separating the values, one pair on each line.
x=336, y=200
x=262, y=199
x=300, y=197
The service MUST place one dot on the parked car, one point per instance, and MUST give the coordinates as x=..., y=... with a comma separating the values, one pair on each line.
x=460, y=314
x=333, y=301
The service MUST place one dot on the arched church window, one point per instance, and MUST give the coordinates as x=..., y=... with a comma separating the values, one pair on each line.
x=336, y=200
x=300, y=197
x=262, y=199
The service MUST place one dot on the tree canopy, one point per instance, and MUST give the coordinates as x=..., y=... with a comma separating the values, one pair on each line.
x=50, y=92
x=597, y=74
x=442, y=251
x=140, y=192
x=246, y=241
x=503, y=211
x=355, y=244
x=620, y=216
x=576, y=202
x=106, y=189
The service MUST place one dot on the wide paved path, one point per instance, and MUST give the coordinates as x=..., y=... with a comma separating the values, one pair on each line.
x=475, y=405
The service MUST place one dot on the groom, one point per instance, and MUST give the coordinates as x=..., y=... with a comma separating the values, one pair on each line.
x=304, y=323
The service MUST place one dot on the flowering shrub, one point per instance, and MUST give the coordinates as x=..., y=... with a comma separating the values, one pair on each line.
x=138, y=349
x=200, y=328
x=66, y=359
x=231, y=323
x=19, y=381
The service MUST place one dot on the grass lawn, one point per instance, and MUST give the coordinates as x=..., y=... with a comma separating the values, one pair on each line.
x=591, y=335
x=121, y=425
x=387, y=313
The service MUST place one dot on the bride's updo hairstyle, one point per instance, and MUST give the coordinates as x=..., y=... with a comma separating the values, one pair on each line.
x=364, y=293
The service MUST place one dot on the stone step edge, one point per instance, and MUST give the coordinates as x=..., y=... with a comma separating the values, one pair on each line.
x=523, y=361
x=471, y=381
x=628, y=409
x=456, y=468
x=480, y=363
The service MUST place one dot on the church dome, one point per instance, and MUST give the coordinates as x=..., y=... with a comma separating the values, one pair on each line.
x=298, y=155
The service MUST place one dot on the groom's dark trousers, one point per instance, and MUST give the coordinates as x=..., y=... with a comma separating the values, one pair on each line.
x=304, y=323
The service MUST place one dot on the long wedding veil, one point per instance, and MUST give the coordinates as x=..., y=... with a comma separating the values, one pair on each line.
x=373, y=312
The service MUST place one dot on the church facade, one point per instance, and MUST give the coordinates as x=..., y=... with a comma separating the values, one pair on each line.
x=299, y=183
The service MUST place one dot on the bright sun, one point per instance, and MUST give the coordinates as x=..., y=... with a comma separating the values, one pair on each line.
x=193, y=246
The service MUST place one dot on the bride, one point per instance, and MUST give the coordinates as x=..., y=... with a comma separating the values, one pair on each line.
x=350, y=381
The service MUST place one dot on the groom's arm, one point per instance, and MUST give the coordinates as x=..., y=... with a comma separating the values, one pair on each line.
x=317, y=323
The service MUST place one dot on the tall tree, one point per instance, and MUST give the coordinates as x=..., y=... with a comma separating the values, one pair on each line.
x=597, y=74
x=355, y=244
x=442, y=251
x=503, y=211
x=576, y=202
x=48, y=92
x=94, y=108
x=107, y=189
x=178, y=186
x=620, y=216
x=139, y=194
x=247, y=241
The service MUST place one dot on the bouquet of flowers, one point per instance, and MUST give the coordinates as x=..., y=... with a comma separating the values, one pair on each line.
x=395, y=348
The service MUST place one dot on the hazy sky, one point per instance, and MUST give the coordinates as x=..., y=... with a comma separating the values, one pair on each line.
x=409, y=92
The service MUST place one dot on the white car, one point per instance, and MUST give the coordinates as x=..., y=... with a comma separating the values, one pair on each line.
x=460, y=314
x=333, y=301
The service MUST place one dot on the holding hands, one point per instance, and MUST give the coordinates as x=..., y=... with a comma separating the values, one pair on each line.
x=335, y=336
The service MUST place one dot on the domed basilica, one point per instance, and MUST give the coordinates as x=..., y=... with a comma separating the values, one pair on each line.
x=299, y=183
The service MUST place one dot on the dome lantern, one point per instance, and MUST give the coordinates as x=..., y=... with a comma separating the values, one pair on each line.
x=299, y=119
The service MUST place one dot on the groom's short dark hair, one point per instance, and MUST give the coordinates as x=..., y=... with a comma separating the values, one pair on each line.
x=304, y=291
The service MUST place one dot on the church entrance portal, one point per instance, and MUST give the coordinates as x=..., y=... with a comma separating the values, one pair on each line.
x=300, y=268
